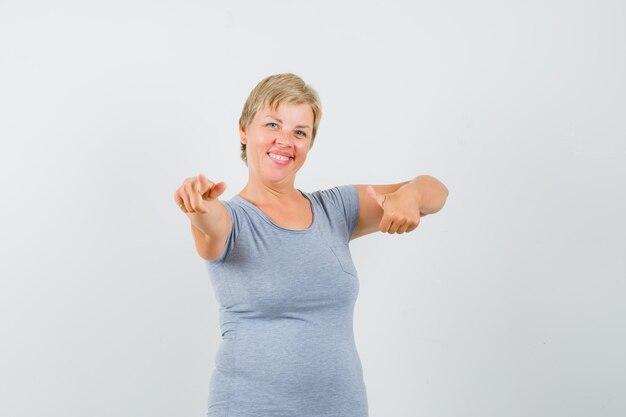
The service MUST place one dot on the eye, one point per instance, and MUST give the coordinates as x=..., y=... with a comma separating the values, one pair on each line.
x=300, y=133
x=272, y=124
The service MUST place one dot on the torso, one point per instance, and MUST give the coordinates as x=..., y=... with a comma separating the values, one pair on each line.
x=286, y=310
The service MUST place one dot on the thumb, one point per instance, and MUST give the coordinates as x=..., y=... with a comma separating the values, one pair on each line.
x=209, y=190
x=379, y=199
x=217, y=190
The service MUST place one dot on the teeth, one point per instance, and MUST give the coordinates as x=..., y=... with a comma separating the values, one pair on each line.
x=278, y=157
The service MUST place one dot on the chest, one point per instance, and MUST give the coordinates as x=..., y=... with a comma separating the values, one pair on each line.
x=299, y=217
x=295, y=272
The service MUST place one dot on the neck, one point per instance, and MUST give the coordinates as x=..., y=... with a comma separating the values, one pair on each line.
x=263, y=192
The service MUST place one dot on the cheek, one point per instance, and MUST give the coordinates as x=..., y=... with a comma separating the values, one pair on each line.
x=302, y=147
x=263, y=140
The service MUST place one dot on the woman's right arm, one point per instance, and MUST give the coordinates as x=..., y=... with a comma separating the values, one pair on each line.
x=210, y=221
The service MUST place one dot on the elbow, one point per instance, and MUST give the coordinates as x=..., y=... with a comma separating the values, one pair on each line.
x=443, y=197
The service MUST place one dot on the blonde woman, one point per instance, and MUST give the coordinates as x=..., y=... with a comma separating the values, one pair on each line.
x=280, y=264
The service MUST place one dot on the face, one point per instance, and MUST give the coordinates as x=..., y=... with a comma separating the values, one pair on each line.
x=277, y=141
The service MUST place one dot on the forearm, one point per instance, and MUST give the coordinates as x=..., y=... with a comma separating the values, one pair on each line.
x=211, y=223
x=429, y=191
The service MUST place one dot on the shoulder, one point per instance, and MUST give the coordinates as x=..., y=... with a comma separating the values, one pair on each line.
x=216, y=250
x=341, y=204
x=340, y=196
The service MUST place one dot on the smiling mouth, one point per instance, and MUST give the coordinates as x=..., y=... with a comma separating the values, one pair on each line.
x=279, y=158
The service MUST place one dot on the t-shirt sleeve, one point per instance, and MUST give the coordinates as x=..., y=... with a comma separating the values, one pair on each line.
x=232, y=236
x=346, y=199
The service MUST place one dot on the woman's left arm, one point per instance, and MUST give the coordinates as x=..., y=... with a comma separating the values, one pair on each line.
x=397, y=208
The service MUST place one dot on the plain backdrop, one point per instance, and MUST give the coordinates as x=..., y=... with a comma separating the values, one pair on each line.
x=508, y=302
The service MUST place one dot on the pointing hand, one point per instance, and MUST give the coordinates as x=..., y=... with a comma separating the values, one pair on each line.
x=195, y=191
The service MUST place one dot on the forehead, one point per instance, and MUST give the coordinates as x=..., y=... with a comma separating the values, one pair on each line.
x=288, y=112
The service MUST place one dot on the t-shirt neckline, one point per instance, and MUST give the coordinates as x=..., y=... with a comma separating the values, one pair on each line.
x=268, y=220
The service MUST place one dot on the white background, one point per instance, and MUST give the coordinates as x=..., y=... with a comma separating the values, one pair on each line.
x=508, y=302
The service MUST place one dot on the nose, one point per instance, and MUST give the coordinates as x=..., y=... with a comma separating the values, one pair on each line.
x=283, y=138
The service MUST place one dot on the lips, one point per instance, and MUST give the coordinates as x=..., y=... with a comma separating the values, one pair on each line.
x=279, y=158
x=281, y=153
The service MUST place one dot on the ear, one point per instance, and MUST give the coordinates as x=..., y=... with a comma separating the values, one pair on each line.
x=242, y=134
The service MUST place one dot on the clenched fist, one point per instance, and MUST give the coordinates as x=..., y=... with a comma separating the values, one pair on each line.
x=195, y=191
x=401, y=210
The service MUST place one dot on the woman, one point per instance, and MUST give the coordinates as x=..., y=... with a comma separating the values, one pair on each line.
x=280, y=264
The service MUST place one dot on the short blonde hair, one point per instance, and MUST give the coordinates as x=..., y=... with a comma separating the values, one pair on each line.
x=275, y=90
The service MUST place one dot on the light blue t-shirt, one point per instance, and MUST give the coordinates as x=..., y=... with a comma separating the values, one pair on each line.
x=286, y=312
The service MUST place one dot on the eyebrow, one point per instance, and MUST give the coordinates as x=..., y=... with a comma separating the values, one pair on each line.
x=297, y=127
